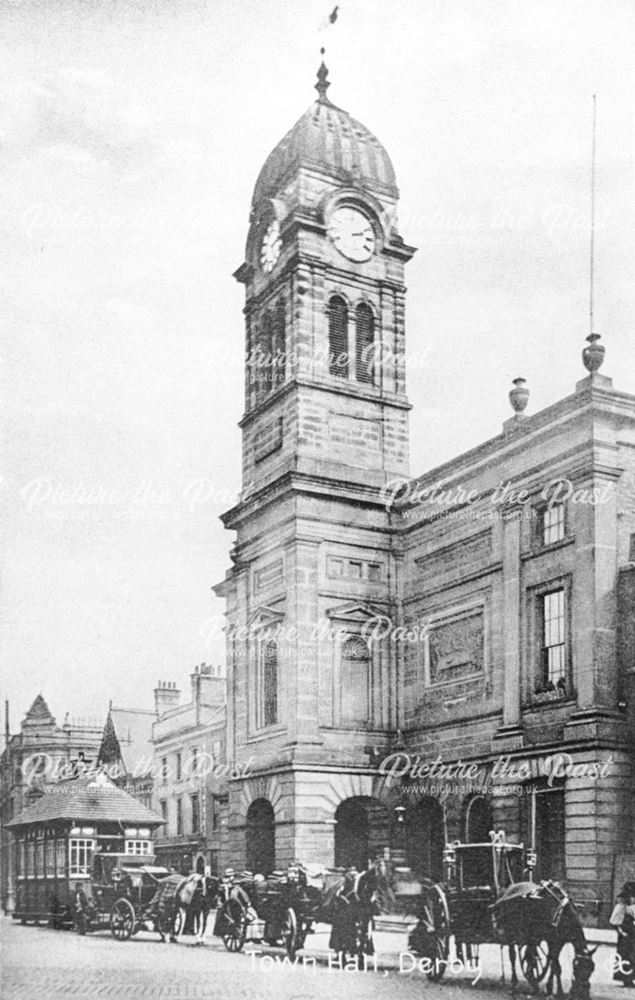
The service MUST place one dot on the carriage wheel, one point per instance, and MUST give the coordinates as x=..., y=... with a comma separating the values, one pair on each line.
x=233, y=913
x=534, y=961
x=290, y=933
x=436, y=915
x=122, y=920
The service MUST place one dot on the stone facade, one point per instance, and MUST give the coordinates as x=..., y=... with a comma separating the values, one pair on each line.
x=188, y=788
x=474, y=616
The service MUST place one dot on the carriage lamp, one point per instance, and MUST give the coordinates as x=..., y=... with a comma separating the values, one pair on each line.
x=401, y=812
x=531, y=859
x=449, y=854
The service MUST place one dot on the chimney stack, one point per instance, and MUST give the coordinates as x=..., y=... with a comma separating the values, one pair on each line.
x=166, y=696
x=208, y=685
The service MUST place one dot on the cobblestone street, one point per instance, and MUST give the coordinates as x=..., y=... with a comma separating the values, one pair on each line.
x=53, y=965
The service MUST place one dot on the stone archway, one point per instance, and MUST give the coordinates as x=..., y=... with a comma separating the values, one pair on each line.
x=261, y=837
x=477, y=821
x=425, y=838
x=361, y=831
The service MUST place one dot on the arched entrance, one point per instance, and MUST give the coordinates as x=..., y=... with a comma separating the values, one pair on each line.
x=478, y=820
x=477, y=823
x=425, y=838
x=261, y=837
x=362, y=831
x=200, y=865
x=352, y=844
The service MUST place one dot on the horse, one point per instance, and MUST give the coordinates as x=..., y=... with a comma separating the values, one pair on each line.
x=350, y=905
x=528, y=914
x=184, y=900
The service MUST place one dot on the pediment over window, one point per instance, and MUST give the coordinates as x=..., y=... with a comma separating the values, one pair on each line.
x=355, y=612
x=264, y=617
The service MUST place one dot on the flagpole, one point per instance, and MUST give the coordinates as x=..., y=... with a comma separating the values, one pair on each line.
x=592, y=227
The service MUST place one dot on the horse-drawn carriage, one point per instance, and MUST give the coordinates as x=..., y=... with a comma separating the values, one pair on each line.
x=281, y=910
x=278, y=910
x=488, y=896
x=118, y=894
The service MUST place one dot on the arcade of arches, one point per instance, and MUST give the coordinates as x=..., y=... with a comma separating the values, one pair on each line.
x=365, y=827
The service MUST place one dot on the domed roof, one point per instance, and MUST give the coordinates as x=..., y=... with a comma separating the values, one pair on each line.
x=332, y=141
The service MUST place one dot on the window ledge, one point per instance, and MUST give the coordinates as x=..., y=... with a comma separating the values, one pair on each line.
x=550, y=698
x=263, y=734
x=538, y=549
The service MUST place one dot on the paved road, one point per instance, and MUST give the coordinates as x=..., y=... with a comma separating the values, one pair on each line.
x=42, y=964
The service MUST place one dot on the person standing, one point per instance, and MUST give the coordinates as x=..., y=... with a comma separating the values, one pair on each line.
x=623, y=919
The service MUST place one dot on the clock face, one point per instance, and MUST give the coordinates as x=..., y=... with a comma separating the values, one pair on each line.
x=270, y=250
x=352, y=233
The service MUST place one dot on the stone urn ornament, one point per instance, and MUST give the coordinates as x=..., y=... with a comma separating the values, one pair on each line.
x=519, y=395
x=593, y=355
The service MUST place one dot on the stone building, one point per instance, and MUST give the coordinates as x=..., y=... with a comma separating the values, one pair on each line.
x=189, y=776
x=407, y=657
x=40, y=754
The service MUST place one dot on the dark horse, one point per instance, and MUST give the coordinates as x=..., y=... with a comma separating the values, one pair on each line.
x=184, y=901
x=349, y=906
x=537, y=920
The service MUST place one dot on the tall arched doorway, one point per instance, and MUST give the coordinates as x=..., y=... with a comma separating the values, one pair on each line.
x=477, y=823
x=261, y=837
x=425, y=838
x=478, y=820
x=352, y=834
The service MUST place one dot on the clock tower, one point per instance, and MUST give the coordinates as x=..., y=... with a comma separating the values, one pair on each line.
x=325, y=426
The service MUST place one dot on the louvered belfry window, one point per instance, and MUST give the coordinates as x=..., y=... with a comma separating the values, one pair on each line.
x=365, y=340
x=338, y=337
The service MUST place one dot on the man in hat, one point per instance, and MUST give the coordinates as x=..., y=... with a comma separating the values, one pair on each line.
x=623, y=919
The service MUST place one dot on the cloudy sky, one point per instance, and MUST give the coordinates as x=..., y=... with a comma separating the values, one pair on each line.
x=131, y=135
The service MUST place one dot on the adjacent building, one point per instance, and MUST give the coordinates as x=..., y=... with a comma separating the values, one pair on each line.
x=190, y=773
x=39, y=754
x=413, y=660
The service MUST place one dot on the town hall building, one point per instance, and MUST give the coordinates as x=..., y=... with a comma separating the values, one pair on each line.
x=415, y=660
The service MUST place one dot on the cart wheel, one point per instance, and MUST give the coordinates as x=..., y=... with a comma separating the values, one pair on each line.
x=436, y=918
x=534, y=961
x=290, y=933
x=122, y=920
x=235, y=918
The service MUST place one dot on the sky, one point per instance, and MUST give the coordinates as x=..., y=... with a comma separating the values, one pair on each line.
x=131, y=135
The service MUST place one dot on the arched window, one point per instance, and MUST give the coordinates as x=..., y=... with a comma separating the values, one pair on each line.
x=261, y=837
x=267, y=694
x=338, y=337
x=278, y=346
x=365, y=344
x=355, y=682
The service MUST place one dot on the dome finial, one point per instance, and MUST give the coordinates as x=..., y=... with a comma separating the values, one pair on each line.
x=323, y=82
